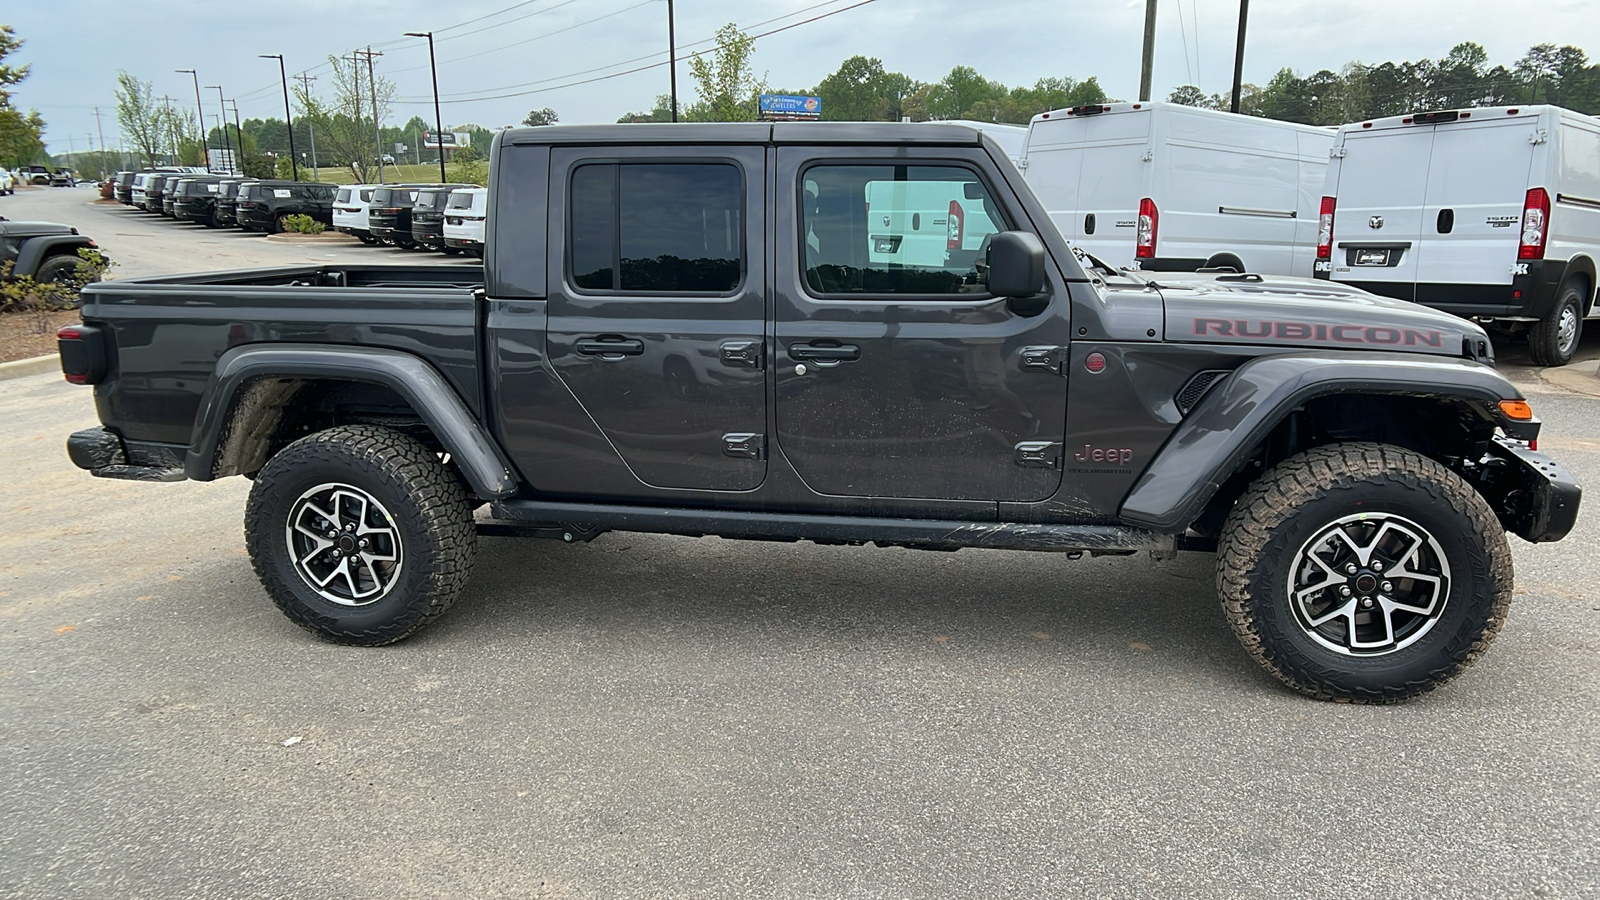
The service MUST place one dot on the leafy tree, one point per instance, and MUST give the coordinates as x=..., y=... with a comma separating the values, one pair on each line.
x=21, y=135
x=727, y=83
x=9, y=75
x=1189, y=95
x=537, y=117
x=344, y=121
x=144, y=122
x=661, y=112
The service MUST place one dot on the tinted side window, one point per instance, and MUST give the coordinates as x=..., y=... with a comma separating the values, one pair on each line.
x=657, y=227
x=896, y=229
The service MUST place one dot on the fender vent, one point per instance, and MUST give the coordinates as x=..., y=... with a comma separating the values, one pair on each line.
x=1197, y=387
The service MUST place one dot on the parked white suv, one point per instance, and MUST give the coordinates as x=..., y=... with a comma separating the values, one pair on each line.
x=464, y=216
x=350, y=211
x=1490, y=213
x=8, y=182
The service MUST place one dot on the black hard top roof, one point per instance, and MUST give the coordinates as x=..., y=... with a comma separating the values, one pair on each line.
x=876, y=133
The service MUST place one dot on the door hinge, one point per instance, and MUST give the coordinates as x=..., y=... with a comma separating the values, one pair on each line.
x=1021, y=163
x=742, y=353
x=1039, y=454
x=1148, y=155
x=1336, y=153
x=744, y=445
x=1042, y=359
x=1538, y=137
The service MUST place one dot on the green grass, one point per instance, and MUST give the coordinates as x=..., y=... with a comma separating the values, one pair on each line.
x=426, y=173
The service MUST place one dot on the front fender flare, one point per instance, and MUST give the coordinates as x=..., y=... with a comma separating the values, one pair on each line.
x=35, y=249
x=1234, y=418
x=471, y=448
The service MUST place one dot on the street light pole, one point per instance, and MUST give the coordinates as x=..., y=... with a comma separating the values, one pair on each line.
x=438, y=117
x=672, y=58
x=222, y=120
x=294, y=159
x=199, y=108
x=1238, y=54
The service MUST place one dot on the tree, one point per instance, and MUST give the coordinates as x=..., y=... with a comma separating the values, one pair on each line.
x=661, y=112
x=728, y=86
x=9, y=75
x=344, y=122
x=144, y=122
x=1189, y=95
x=537, y=117
x=21, y=136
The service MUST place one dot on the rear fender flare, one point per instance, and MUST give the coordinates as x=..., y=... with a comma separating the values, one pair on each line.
x=471, y=448
x=1583, y=267
x=1205, y=450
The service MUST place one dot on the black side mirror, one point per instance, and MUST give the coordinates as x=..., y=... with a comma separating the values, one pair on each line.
x=1016, y=264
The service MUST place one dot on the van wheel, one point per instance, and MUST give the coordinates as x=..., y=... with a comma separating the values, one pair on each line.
x=1554, y=339
x=360, y=534
x=1363, y=573
x=1225, y=261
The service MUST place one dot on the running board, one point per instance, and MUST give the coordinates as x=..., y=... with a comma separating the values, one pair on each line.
x=574, y=522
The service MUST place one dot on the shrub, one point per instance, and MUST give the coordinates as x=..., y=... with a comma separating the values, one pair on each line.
x=25, y=294
x=302, y=224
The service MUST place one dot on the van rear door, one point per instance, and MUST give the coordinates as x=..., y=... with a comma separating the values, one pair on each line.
x=1089, y=172
x=1377, y=224
x=1477, y=182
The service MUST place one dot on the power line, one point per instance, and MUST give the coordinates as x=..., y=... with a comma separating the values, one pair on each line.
x=535, y=37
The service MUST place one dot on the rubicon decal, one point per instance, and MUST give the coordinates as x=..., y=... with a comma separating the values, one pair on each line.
x=1378, y=335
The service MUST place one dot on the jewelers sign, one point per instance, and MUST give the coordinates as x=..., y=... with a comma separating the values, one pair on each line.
x=784, y=107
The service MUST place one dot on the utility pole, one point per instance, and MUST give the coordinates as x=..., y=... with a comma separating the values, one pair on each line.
x=222, y=121
x=672, y=58
x=1238, y=54
x=172, y=136
x=377, y=127
x=1149, y=49
x=305, y=82
x=102, y=132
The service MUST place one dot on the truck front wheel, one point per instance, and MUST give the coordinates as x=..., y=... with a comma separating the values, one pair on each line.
x=1363, y=573
x=360, y=534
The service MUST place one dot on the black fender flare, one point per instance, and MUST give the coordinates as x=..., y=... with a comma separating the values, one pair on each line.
x=1584, y=266
x=471, y=448
x=1205, y=450
x=36, y=249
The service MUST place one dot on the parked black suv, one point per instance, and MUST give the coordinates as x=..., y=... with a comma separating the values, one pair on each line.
x=389, y=214
x=427, y=217
x=169, y=194
x=154, y=187
x=262, y=205
x=123, y=187
x=228, y=200
x=195, y=200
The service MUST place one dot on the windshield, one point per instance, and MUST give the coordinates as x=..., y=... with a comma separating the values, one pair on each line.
x=427, y=199
x=380, y=196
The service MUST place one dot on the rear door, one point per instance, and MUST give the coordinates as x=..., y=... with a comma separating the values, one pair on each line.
x=1377, y=225
x=1115, y=175
x=1477, y=183
x=656, y=308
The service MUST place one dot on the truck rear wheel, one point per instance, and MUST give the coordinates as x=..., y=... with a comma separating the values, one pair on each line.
x=1363, y=573
x=1553, y=340
x=360, y=534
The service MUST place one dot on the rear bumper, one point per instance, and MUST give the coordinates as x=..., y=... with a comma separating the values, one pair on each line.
x=1530, y=295
x=1535, y=497
x=102, y=452
x=428, y=235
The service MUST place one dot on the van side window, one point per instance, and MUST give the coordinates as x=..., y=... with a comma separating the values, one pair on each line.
x=656, y=227
x=896, y=229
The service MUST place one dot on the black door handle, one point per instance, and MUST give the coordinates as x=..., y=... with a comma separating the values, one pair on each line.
x=830, y=352
x=610, y=346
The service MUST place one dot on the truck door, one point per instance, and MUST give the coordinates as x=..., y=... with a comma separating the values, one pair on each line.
x=656, y=312
x=1377, y=225
x=909, y=380
x=1471, y=225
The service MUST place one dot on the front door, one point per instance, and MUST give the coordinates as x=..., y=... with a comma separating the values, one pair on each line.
x=657, y=309
x=897, y=374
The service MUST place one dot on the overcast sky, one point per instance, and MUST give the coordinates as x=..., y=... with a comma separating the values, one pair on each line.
x=77, y=46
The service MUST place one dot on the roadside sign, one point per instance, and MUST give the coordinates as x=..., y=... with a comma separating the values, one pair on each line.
x=784, y=107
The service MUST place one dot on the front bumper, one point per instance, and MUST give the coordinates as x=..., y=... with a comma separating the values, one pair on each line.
x=1535, y=497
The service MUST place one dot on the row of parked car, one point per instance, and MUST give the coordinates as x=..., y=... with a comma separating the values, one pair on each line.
x=444, y=217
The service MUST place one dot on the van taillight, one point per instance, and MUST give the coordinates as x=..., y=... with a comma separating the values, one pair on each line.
x=955, y=234
x=83, y=353
x=1325, y=229
x=1535, y=224
x=1149, y=221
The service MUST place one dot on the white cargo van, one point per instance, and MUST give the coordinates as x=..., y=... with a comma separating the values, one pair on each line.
x=1165, y=187
x=1492, y=213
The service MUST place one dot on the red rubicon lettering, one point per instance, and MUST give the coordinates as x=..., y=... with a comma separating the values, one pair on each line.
x=1383, y=335
x=1293, y=331
x=1349, y=334
x=1430, y=338
x=1217, y=326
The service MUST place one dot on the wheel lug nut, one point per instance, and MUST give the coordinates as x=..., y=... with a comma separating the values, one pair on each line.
x=332, y=534
x=1344, y=591
x=1377, y=565
x=337, y=554
x=363, y=546
x=1366, y=602
x=1350, y=568
x=1387, y=586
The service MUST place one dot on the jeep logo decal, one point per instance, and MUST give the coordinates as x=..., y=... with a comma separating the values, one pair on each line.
x=1090, y=453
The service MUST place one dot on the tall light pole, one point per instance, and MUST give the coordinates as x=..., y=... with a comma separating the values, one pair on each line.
x=311, y=124
x=672, y=59
x=205, y=146
x=438, y=117
x=294, y=158
x=1238, y=54
x=222, y=120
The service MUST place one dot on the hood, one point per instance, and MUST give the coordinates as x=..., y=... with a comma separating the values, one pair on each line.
x=1305, y=312
x=33, y=229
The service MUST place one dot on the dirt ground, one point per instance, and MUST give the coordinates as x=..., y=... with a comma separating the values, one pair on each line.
x=24, y=335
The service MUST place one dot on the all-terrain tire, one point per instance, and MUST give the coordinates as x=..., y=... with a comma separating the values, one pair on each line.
x=58, y=269
x=391, y=489
x=1553, y=340
x=1392, y=495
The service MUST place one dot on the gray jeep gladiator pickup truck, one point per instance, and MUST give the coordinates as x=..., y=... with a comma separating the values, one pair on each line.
x=848, y=334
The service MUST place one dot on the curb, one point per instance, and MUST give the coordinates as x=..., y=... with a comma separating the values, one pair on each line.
x=327, y=237
x=22, y=368
x=1580, y=378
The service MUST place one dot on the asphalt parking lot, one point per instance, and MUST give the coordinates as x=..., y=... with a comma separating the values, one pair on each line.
x=664, y=717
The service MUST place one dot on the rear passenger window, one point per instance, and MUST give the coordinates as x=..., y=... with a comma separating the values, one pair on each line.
x=896, y=229
x=657, y=227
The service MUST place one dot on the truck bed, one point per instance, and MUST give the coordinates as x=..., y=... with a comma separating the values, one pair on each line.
x=167, y=333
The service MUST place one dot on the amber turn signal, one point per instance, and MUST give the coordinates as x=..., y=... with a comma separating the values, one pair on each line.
x=1517, y=409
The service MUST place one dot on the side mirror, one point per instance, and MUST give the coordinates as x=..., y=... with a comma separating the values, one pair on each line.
x=1016, y=264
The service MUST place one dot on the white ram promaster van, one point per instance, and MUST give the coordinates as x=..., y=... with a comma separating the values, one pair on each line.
x=1492, y=213
x=1165, y=187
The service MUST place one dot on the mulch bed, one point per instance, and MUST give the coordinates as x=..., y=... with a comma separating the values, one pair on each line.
x=24, y=335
